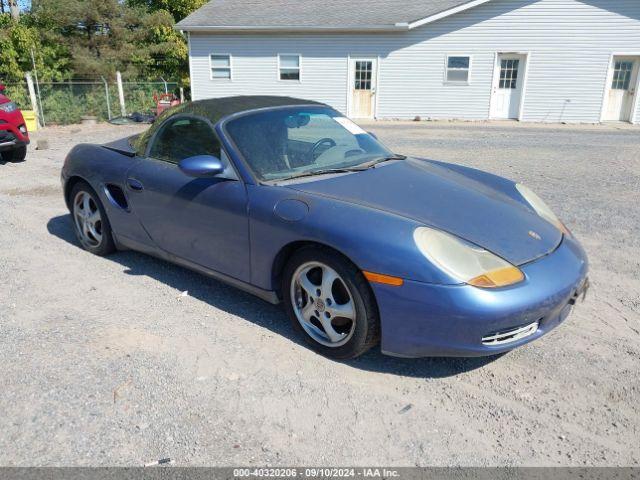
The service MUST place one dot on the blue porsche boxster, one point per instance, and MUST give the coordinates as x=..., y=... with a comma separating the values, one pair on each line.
x=290, y=200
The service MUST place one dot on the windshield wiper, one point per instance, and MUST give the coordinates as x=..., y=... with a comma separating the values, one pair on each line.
x=326, y=171
x=357, y=168
x=376, y=161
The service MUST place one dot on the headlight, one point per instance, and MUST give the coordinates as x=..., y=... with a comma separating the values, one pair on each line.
x=8, y=107
x=464, y=261
x=541, y=208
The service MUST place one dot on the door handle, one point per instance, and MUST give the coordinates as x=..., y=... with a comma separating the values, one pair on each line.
x=135, y=184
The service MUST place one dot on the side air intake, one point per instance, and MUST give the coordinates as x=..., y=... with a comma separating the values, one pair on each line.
x=116, y=196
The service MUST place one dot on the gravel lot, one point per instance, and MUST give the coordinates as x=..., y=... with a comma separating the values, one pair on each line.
x=105, y=362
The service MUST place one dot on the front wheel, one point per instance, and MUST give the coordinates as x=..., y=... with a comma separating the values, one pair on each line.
x=15, y=155
x=330, y=303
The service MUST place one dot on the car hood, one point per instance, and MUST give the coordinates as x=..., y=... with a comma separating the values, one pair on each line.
x=436, y=196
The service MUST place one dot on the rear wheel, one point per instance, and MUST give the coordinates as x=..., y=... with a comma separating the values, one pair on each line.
x=15, y=155
x=330, y=303
x=90, y=220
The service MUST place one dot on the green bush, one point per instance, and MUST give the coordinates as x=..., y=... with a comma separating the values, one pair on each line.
x=19, y=94
x=61, y=107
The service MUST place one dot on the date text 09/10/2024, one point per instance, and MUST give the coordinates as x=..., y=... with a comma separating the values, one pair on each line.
x=316, y=472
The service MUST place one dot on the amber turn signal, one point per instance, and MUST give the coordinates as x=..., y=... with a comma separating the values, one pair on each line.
x=384, y=279
x=501, y=277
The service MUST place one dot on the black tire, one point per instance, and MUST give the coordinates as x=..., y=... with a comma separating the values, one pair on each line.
x=106, y=244
x=367, y=323
x=15, y=155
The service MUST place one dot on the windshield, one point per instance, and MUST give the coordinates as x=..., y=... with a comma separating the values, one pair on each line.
x=290, y=142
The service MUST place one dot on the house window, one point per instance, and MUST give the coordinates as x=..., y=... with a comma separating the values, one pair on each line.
x=289, y=67
x=509, y=73
x=220, y=67
x=458, y=68
x=622, y=75
x=363, y=75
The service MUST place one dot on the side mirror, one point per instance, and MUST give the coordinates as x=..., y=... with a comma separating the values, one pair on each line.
x=201, y=166
x=373, y=135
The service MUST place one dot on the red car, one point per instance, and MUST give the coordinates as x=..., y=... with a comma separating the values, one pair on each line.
x=14, y=137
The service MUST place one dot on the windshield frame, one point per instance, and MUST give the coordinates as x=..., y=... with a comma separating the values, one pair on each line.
x=247, y=165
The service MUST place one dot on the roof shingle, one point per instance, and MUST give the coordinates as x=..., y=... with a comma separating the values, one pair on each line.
x=313, y=14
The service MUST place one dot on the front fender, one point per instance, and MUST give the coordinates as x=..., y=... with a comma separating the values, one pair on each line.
x=375, y=241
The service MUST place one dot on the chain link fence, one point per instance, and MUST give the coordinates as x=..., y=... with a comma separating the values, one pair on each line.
x=63, y=103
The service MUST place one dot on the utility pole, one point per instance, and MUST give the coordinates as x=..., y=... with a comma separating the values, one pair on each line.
x=34, y=100
x=35, y=73
x=123, y=110
x=14, y=9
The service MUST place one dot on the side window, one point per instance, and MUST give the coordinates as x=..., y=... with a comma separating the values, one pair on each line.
x=183, y=138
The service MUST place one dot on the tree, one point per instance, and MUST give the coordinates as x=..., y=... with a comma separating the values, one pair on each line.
x=103, y=36
x=177, y=8
x=91, y=38
x=18, y=40
x=167, y=51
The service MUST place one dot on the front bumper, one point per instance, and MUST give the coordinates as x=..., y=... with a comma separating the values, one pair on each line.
x=420, y=319
x=11, y=137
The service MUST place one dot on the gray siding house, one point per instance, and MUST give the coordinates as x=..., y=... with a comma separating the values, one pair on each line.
x=531, y=60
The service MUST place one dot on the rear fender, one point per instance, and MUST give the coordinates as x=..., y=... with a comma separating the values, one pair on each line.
x=105, y=171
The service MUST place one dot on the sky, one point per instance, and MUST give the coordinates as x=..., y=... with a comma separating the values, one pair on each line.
x=23, y=4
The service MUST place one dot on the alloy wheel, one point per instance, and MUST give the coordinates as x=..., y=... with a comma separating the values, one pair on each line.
x=323, y=304
x=86, y=215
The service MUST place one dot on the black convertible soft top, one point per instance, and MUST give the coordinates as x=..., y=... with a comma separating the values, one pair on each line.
x=215, y=109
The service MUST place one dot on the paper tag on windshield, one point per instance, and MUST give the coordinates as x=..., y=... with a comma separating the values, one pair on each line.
x=349, y=125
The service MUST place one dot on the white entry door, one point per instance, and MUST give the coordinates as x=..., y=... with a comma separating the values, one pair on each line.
x=363, y=75
x=622, y=89
x=507, y=86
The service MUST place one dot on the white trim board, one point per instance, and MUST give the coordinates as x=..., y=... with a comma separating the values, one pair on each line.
x=443, y=14
x=193, y=92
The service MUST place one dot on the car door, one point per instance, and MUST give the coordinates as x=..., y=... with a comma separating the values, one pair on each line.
x=201, y=220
